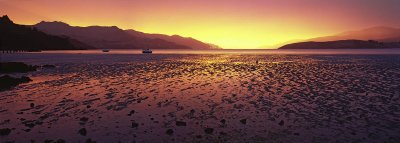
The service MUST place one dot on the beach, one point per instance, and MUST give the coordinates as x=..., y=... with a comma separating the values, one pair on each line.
x=205, y=97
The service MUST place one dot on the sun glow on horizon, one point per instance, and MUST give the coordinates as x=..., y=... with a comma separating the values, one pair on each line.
x=232, y=24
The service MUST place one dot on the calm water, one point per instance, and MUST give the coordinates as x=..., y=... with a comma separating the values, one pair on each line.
x=260, y=51
x=117, y=56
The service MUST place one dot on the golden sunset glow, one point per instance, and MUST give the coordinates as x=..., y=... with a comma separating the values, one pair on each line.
x=227, y=23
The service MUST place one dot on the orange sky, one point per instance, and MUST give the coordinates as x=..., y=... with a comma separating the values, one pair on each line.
x=227, y=23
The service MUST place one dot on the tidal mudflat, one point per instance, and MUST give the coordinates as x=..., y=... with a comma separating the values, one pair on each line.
x=205, y=98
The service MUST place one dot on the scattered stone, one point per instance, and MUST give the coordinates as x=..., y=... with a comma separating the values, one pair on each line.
x=27, y=130
x=5, y=132
x=60, y=141
x=29, y=124
x=90, y=141
x=48, y=66
x=209, y=130
x=180, y=123
x=223, y=121
x=82, y=132
x=135, y=125
x=281, y=123
x=170, y=132
x=84, y=119
x=7, y=82
x=16, y=67
x=243, y=121
x=131, y=113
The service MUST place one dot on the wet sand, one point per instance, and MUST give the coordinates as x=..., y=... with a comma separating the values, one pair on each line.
x=206, y=98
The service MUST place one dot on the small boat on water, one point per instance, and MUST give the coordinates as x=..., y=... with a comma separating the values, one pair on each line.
x=106, y=50
x=147, y=51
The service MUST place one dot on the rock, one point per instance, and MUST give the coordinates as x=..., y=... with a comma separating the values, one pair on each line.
x=60, y=141
x=48, y=66
x=223, y=121
x=32, y=105
x=84, y=119
x=5, y=132
x=16, y=67
x=29, y=124
x=281, y=123
x=209, y=130
x=170, y=132
x=82, y=132
x=90, y=141
x=131, y=113
x=7, y=82
x=243, y=121
x=180, y=123
x=135, y=125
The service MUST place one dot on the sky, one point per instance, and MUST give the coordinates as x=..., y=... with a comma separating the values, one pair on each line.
x=237, y=24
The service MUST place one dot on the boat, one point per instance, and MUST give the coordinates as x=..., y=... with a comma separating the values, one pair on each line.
x=147, y=51
x=106, y=50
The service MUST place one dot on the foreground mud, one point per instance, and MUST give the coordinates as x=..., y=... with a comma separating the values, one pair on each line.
x=208, y=98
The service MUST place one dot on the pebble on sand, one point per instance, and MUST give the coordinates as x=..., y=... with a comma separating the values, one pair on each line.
x=243, y=121
x=84, y=119
x=223, y=121
x=131, y=113
x=135, y=125
x=5, y=132
x=209, y=130
x=82, y=132
x=180, y=123
x=48, y=66
x=281, y=123
x=170, y=132
x=90, y=141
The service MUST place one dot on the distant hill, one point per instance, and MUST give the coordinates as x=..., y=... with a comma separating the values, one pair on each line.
x=20, y=37
x=342, y=44
x=114, y=38
x=381, y=34
x=190, y=42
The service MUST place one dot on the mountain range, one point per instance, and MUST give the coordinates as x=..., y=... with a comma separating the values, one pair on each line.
x=342, y=44
x=370, y=38
x=102, y=37
x=26, y=38
x=381, y=34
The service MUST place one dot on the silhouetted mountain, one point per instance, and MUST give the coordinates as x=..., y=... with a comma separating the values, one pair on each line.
x=109, y=37
x=20, y=37
x=186, y=41
x=381, y=34
x=342, y=44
